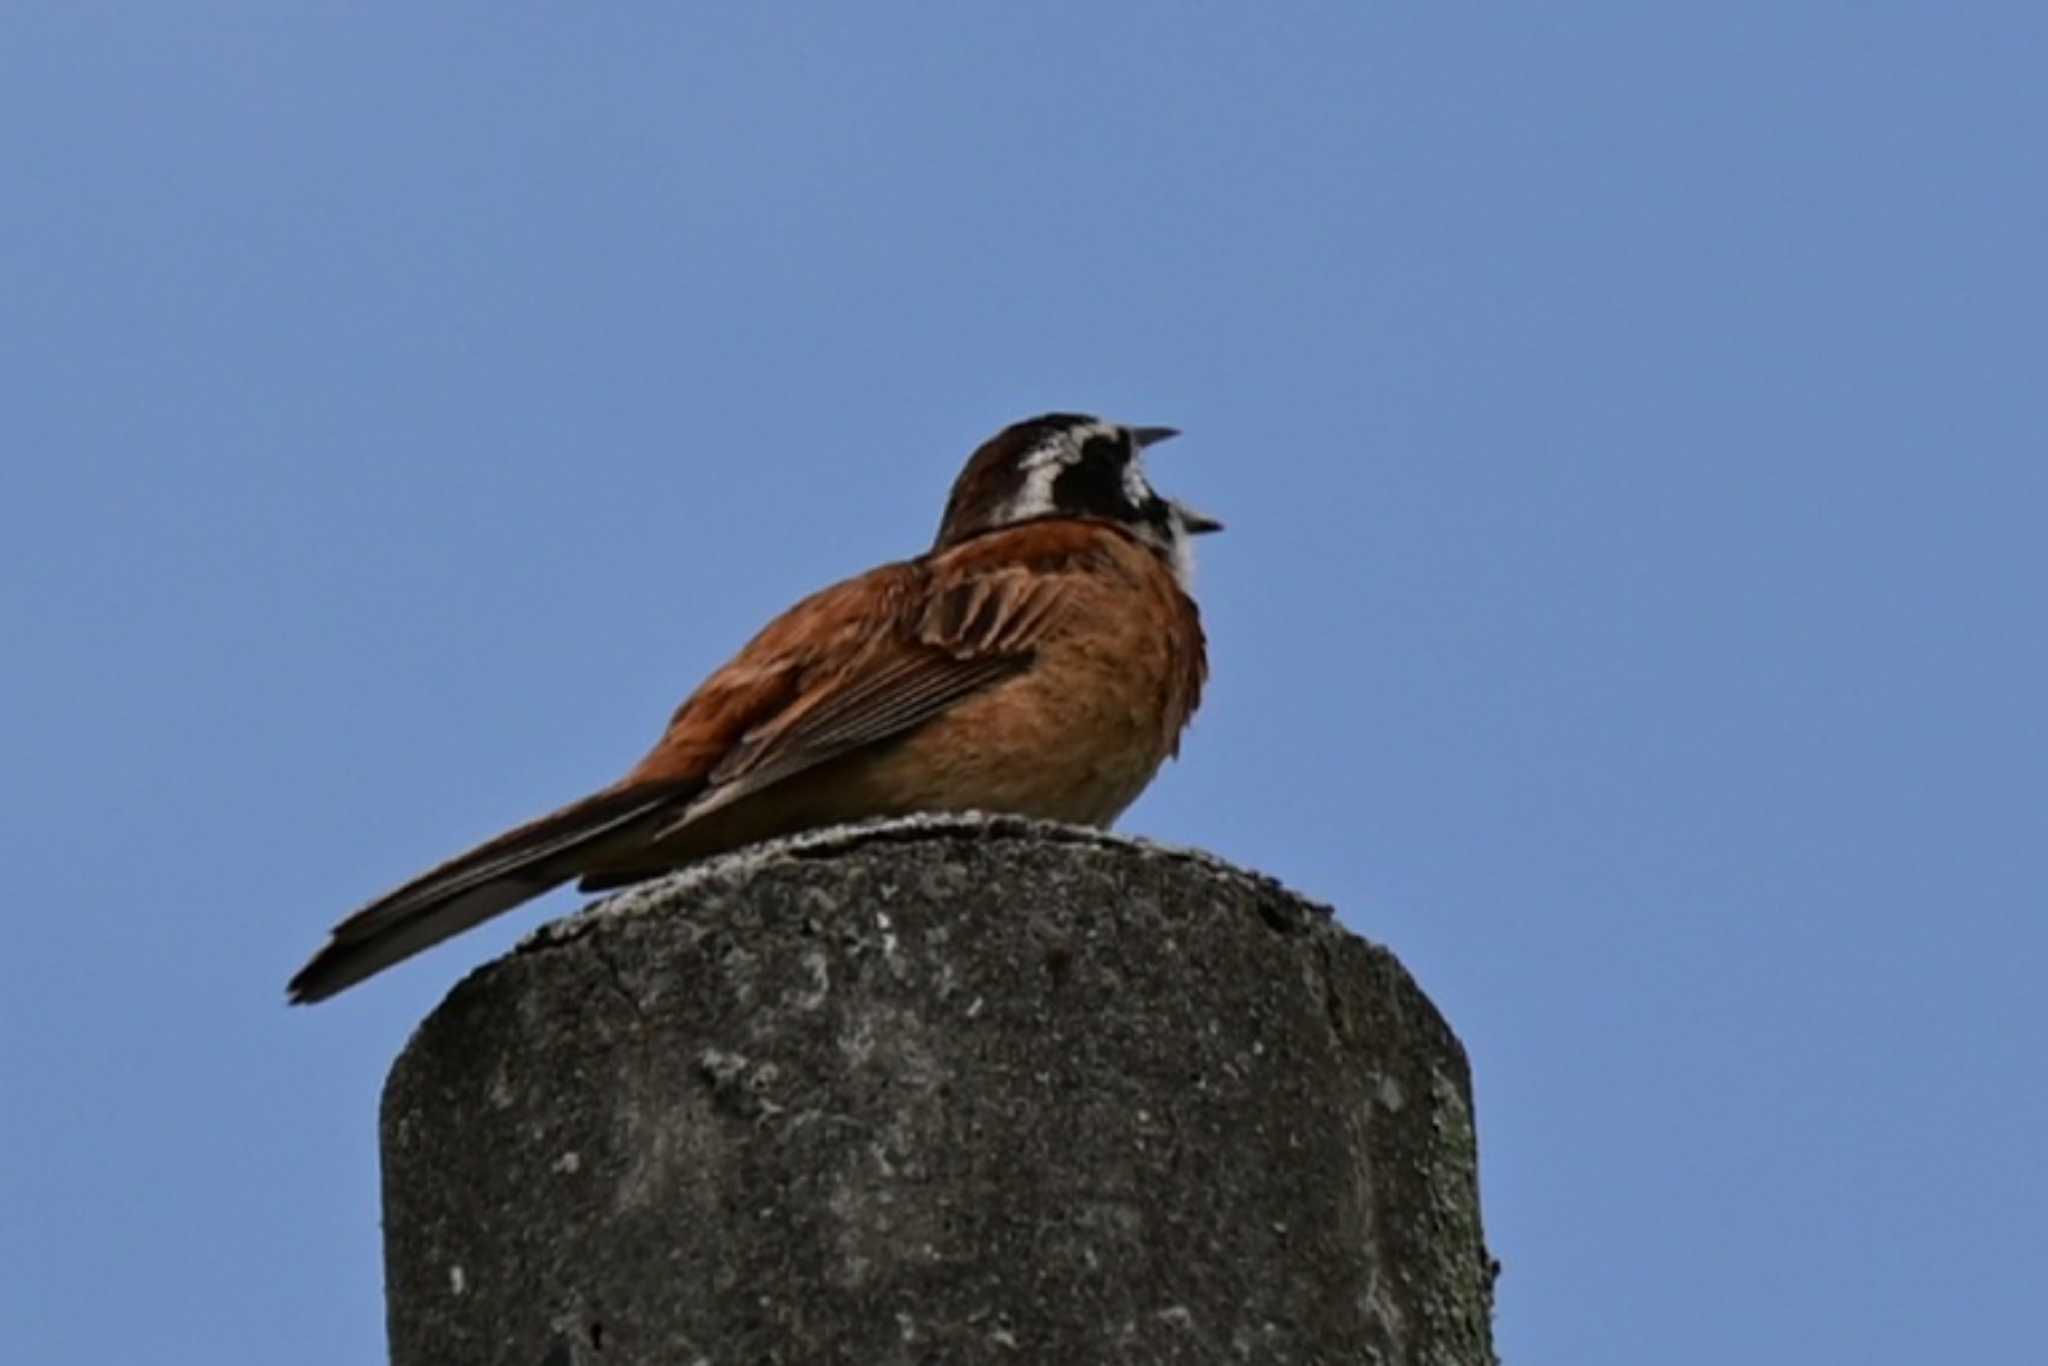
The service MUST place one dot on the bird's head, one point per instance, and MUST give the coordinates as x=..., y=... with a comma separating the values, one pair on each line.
x=1072, y=465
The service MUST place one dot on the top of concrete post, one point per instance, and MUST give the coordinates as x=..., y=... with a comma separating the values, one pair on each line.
x=944, y=1089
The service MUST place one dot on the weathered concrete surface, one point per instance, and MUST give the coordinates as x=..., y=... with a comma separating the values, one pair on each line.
x=951, y=1090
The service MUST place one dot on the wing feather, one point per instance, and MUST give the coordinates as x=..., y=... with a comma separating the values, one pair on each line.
x=959, y=639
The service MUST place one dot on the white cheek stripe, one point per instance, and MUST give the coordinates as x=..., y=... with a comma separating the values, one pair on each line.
x=1136, y=490
x=1035, y=499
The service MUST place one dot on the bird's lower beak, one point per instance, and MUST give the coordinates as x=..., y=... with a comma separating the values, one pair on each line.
x=1194, y=523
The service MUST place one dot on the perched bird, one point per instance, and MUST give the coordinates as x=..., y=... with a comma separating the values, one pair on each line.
x=1042, y=659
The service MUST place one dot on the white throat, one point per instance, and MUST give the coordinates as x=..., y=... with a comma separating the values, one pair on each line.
x=1180, y=557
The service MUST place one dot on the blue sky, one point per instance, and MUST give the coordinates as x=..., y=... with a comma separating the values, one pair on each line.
x=1629, y=424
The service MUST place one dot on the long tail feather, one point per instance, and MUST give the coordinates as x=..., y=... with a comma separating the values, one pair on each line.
x=470, y=888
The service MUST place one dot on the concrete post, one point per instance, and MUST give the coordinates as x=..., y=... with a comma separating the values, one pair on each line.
x=945, y=1090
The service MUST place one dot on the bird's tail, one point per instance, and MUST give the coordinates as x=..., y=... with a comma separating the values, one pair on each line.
x=495, y=876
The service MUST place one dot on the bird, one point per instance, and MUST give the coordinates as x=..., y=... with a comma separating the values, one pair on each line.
x=1041, y=659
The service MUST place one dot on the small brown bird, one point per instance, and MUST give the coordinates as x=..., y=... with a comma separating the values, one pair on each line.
x=1042, y=659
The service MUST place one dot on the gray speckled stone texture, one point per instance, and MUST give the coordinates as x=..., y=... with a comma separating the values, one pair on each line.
x=945, y=1090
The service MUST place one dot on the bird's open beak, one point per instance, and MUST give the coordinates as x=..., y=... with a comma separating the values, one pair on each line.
x=1191, y=521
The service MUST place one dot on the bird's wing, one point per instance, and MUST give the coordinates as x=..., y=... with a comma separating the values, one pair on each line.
x=925, y=645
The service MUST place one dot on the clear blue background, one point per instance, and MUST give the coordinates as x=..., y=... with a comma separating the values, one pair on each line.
x=1630, y=425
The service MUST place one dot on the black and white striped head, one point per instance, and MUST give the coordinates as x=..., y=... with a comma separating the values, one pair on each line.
x=1071, y=465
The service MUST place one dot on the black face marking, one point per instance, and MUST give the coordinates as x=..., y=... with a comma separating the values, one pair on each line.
x=1114, y=451
x=1093, y=486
